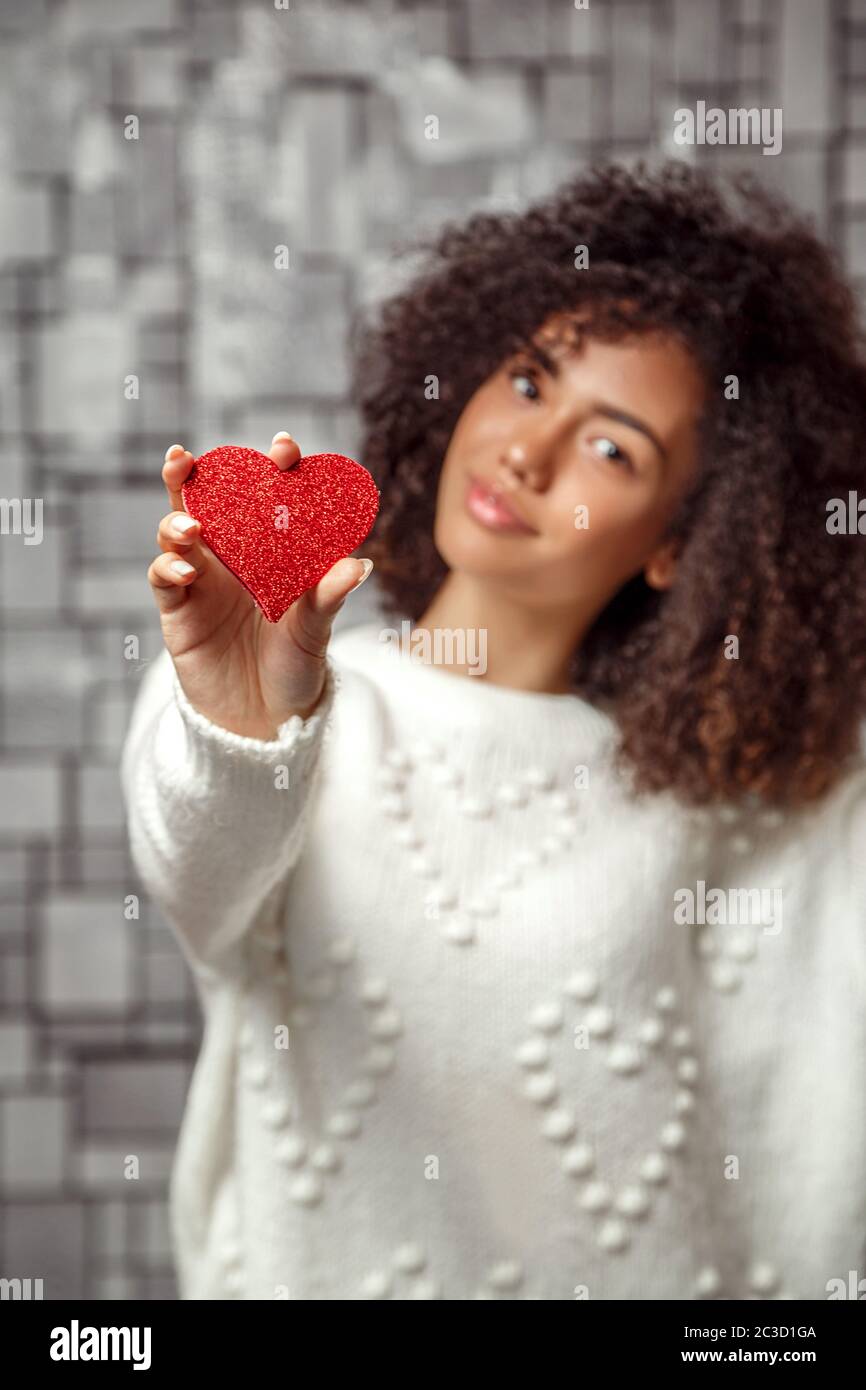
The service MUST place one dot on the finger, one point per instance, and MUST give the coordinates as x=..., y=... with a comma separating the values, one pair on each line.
x=180, y=531
x=317, y=608
x=328, y=595
x=285, y=451
x=169, y=576
x=175, y=471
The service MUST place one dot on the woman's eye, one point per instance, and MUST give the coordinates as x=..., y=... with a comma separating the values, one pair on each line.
x=606, y=448
x=524, y=384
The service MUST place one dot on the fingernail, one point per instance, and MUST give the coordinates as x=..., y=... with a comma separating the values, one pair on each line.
x=174, y=451
x=181, y=567
x=182, y=524
x=280, y=437
x=368, y=565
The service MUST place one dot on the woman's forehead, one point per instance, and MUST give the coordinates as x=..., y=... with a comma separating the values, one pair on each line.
x=567, y=333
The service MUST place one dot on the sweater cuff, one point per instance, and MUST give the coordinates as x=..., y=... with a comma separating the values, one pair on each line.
x=212, y=745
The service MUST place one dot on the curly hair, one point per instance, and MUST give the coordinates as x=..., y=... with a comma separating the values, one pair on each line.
x=744, y=283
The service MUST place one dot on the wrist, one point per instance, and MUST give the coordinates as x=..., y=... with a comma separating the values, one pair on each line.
x=244, y=726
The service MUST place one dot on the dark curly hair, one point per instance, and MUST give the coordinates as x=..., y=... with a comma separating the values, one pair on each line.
x=746, y=286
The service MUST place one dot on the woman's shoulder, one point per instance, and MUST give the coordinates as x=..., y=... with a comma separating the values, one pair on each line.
x=831, y=832
x=852, y=798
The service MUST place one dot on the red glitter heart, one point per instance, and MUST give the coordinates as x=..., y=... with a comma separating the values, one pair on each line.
x=279, y=531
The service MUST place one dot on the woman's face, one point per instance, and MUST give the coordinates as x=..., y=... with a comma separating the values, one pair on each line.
x=561, y=483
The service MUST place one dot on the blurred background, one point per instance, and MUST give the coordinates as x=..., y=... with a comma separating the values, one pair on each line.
x=140, y=306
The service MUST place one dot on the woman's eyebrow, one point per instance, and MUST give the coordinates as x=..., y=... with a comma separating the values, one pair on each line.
x=535, y=350
x=612, y=412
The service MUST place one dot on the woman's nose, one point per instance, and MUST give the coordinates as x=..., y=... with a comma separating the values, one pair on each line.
x=521, y=463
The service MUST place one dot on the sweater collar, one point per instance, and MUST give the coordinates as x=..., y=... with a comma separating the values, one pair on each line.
x=473, y=700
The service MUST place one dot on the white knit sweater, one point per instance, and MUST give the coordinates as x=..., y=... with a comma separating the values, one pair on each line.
x=512, y=1070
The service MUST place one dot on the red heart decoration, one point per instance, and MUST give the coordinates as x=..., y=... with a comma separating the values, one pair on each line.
x=279, y=531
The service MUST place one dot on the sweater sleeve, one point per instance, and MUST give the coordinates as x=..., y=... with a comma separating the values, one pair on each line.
x=215, y=820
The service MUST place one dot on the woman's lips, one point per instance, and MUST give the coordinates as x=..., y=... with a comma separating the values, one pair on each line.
x=486, y=505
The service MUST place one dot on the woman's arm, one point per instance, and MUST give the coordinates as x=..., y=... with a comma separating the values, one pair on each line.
x=215, y=819
x=226, y=733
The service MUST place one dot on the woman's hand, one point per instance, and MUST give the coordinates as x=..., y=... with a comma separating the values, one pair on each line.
x=236, y=668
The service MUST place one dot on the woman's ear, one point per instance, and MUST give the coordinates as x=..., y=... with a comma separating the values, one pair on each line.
x=661, y=567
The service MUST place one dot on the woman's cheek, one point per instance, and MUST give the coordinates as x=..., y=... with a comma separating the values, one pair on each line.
x=618, y=505
x=603, y=524
x=588, y=512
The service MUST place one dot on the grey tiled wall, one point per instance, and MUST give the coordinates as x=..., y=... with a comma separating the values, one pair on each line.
x=154, y=258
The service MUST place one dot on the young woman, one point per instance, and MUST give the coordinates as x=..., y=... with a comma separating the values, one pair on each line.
x=530, y=933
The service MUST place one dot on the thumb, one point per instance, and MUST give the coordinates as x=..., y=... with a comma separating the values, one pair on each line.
x=317, y=608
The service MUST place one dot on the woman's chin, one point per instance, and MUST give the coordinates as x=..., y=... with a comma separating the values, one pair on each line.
x=466, y=546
